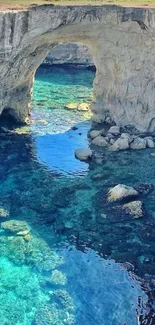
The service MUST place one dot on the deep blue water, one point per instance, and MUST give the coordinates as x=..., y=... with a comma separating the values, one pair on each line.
x=61, y=261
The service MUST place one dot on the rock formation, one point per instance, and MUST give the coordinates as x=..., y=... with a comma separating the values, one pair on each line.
x=121, y=41
x=70, y=54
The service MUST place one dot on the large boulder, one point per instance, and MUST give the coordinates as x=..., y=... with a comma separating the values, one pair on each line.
x=17, y=227
x=95, y=133
x=83, y=153
x=100, y=141
x=115, y=130
x=138, y=143
x=78, y=106
x=133, y=209
x=145, y=188
x=120, y=192
x=120, y=144
x=149, y=142
x=126, y=135
x=126, y=212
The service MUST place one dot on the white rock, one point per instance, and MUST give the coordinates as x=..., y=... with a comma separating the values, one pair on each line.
x=120, y=191
x=83, y=153
x=114, y=130
x=149, y=142
x=120, y=144
x=127, y=136
x=138, y=143
x=94, y=133
x=135, y=208
x=100, y=141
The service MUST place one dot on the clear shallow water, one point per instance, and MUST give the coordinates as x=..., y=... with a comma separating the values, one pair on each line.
x=63, y=269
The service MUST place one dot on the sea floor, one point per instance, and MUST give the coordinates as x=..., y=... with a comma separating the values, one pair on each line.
x=64, y=259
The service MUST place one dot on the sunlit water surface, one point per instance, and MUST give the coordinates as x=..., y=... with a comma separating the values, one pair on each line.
x=60, y=265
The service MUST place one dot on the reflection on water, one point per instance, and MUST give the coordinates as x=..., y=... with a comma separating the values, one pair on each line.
x=58, y=251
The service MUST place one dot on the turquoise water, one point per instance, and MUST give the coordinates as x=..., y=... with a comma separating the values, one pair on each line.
x=61, y=261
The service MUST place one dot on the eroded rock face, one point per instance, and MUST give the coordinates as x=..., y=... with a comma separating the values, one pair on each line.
x=120, y=40
x=70, y=54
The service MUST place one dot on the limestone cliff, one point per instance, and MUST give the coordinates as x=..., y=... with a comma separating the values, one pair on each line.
x=70, y=54
x=121, y=41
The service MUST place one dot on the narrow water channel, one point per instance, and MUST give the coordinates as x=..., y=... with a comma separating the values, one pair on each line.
x=62, y=260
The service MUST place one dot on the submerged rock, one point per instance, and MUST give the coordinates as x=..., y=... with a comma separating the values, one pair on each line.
x=100, y=141
x=138, y=143
x=51, y=314
x=95, y=133
x=126, y=212
x=4, y=212
x=78, y=106
x=120, y=192
x=62, y=297
x=145, y=188
x=133, y=210
x=98, y=176
x=16, y=226
x=83, y=153
x=58, y=277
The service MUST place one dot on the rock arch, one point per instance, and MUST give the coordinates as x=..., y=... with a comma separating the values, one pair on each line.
x=121, y=41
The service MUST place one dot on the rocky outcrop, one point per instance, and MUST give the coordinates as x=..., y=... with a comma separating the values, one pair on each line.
x=83, y=153
x=70, y=54
x=120, y=192
x=120, y=40
x=116, y=139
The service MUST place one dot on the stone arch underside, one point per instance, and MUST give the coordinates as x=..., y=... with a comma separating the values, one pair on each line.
x=121, y=41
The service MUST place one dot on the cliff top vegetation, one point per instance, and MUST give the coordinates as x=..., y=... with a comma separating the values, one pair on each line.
x=23, y=4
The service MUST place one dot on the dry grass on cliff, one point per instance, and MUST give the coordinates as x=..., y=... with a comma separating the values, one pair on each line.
x=21, y=4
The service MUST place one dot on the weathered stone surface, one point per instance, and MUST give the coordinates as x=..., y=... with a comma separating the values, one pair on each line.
x=149, y=142
x=115, y=130
x=16, y=226
x=83, y=153
x=120, y=144
x=127, y=136
x=94, y=134
x=100, y=141
x=120, y=192
x=70, y=54
x=138, y=143
x=121, y=41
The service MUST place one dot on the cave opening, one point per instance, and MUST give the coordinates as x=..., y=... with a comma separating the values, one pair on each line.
x=61, y=105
